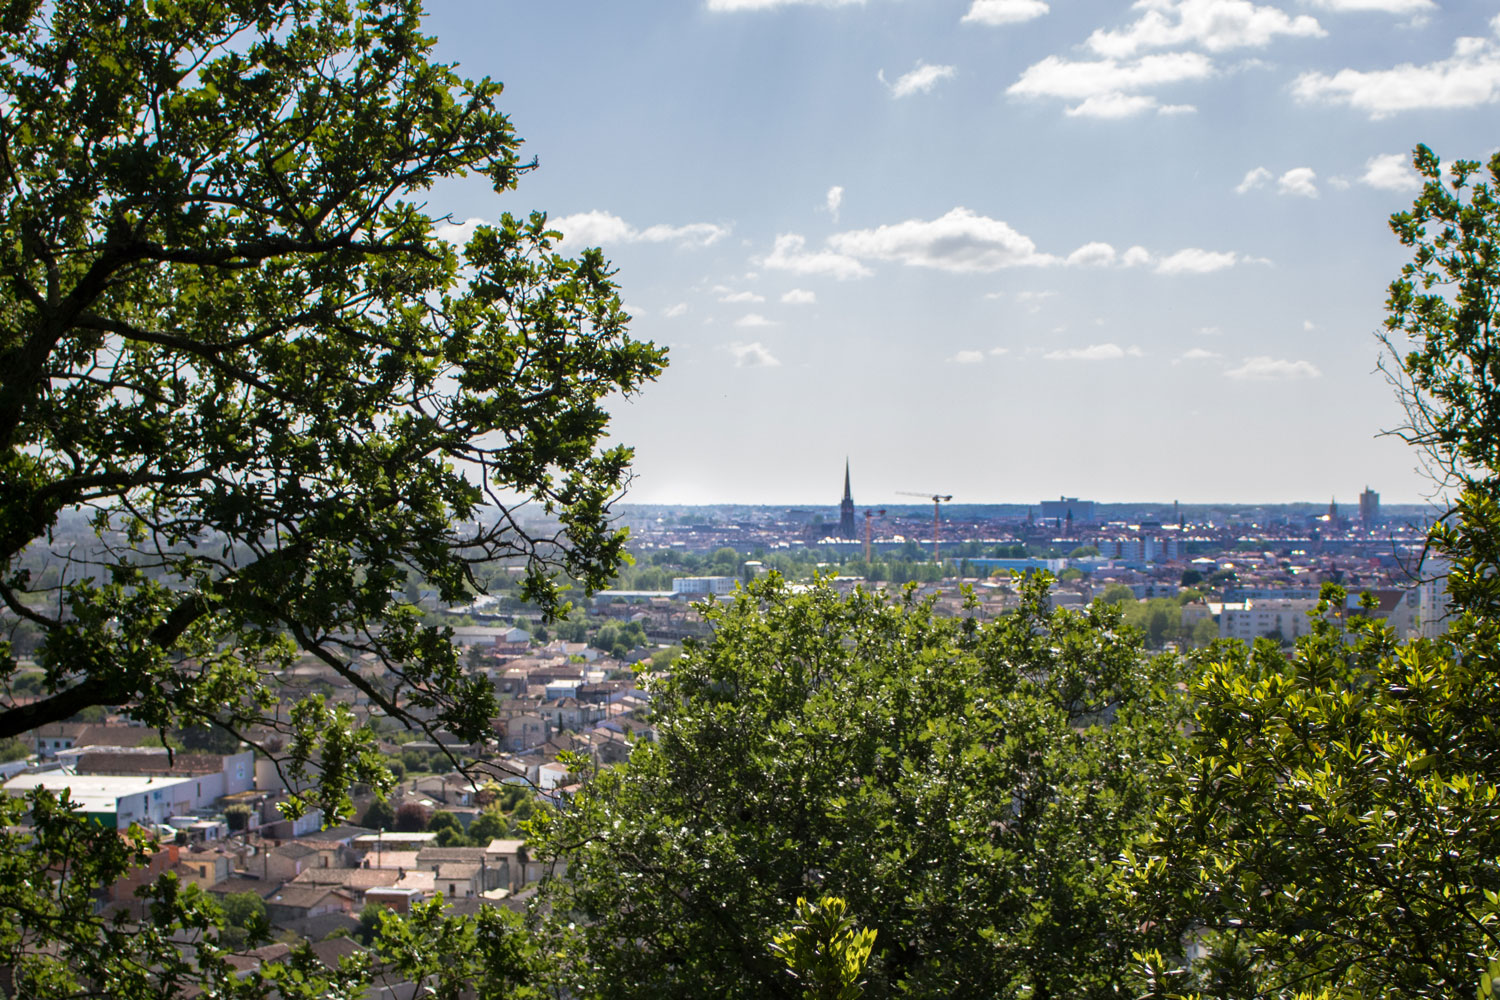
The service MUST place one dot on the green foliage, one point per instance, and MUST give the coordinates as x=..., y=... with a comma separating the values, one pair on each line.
x=13, y=748
x=237, y=817
x=1331, y=826
x=1191, y=577
x=379, y=816
x=245, y=912
x=956, y=783
x=1446, y=305
x=54, y=936
x=824, y=951
x=1117, y=593
x=313, y=403
x=490, y=956
x=487, y=826
x=411, y=818
x=450, y=832
x=1335, y=816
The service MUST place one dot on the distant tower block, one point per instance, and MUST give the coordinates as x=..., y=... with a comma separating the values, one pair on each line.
x=1369, y=509
x=1333, y=513
x=846, y=508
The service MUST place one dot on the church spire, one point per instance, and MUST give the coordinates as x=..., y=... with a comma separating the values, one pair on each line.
x=846, y=507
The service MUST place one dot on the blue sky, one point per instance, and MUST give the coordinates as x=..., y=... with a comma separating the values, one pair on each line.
x=1004, y=249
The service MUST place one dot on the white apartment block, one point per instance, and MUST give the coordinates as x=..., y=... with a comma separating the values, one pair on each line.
x=1261, y=616
x=703, y=584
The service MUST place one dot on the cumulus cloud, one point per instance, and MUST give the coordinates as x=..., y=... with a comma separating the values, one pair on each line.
x=1468, y=78
x=789, y=254
x=1254, y=178
x=1391, y=172
x=1110, y=88
x=672, y=312
x=995, y=12
x=1216, y=25
x=1094, y=352
x=742, y=297
x=799, y=297
x=600, y=228
x=967, y=357
x=1092, y=255
x=998, y=351
x=1265, y=368
x=1113, y=106
x=753, y=319
x=958, y=241
x=1382, y=6
x=833, y=200
x=1197, y=261
x=920, y=80
x=1299, y=181
x=457, y=233
x=731, y=5
x=1198, y=354
x=752, y=356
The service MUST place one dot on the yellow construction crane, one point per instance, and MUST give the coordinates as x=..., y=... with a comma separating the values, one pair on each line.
x=937, y=499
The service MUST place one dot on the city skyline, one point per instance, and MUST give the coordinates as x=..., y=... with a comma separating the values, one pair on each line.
x=995, y=248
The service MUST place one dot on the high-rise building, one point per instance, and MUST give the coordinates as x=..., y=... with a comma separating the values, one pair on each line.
x=846, y=507
x=1369, y=509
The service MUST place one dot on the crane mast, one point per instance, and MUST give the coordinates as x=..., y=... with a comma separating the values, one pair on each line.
x=937, y=500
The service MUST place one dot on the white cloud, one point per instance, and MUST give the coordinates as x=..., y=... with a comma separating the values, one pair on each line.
x=752, y=356
x=833, y=200
x=1198, y=354
x=958, y=241
x=672, y=312
x=1092, y=255
x=995, y=12
x=1264, y=368
x=457, y=233
x=920, y=80
x=799, y=297
x=998, y=351
x=731, y=5
x=1468, y=78
x=1033, y=300
x=1383, y=6
x=599, y=228
x=1253, y=179
x=967, y=357
x=753, y=319
x=1197, y=261
x=1113, y=106
x=1299, y=181
x=1094, y=352
x=1103, y=86
x=1216, y=25
x=788, y=254
x=742, y=297
x=1309, y=325
x=1391, y=172
x=1136, y=257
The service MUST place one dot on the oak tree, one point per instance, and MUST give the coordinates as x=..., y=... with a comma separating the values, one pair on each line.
x=251, y=396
